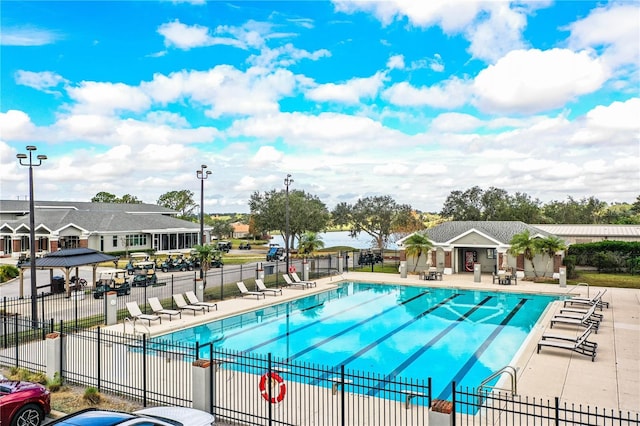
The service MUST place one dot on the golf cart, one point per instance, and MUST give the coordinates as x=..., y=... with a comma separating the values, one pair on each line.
x=112, y=279
x=145, y=277
x=224, y=246
x=276, y=253
x=133, y=267
x=176, y=262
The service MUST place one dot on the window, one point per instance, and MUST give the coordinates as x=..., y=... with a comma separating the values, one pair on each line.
x=136, y=240
x=115, y=241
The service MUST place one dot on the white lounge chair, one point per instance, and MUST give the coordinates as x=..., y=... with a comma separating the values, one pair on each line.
x=578, y=344
x=290, y=283
x=184, y=306
x=245, y=292
x=193, y=300
x=263, y=288
x=297, y=279
x=158, y=309
x=585, y=320
x=596, y=299
x=136, y=313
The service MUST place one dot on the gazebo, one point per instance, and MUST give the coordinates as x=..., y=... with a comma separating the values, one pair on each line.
x=66, y=260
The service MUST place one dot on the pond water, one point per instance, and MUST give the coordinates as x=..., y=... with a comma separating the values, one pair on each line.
x=340, y=238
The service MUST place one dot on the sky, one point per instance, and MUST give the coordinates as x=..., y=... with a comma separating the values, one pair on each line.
x=412, y=99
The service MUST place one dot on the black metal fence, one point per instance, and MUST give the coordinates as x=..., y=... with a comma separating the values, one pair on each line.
x=258, y=389
x=81, y=309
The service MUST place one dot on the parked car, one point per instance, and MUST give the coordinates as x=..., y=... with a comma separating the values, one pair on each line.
x=23, y=403
x=112, y=279
x=157, y=416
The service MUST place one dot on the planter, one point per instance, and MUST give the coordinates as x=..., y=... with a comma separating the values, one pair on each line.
x=440, y=413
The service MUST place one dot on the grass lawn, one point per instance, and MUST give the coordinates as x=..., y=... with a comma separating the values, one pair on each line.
x=607, y=280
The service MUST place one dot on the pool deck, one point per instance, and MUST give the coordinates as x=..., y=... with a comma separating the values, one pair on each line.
x=611, y=382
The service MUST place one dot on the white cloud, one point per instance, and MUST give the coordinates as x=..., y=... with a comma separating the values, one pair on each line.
x=497, y=35
x=616, y=27
x=188, y=37
x=266, y=156
x=284, y=56
x=39, y=80
x=455, y=122
x=535, y=80
x=350, y=92
x=107, y=98
x=449, y=94
x=27, y=36
x=16, y=126
x=396, y=62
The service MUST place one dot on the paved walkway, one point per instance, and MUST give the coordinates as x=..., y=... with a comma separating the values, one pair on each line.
x=611, y=382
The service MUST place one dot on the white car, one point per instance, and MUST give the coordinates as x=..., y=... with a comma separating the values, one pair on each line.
x=159, y=416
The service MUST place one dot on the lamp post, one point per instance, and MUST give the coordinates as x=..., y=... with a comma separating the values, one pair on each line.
x=202, y=174
x=287, y=181
x=32, y=231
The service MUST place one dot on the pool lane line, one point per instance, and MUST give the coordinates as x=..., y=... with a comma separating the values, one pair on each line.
x=311, y=324
x=376, y=342
x=296, y=312
x=407, y=362
x=476, y=355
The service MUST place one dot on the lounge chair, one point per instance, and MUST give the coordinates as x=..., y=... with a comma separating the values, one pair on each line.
x=290, y=283
x=297, y=279
x=184, y=306
x=578, y=344
x=263, y=288
x=245, y=292
x=593, y=300
x=158, y=309
x=585, y=320
x=136, y=313
x=193, y=300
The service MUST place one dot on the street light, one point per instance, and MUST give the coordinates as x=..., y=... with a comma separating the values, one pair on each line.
x=202, y=174
x=287, y=181
x=32, y=231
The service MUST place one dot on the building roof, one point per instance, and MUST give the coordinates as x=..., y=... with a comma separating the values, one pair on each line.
x=71, y=258
x=22, y=206
x=501, y=231
x=611, y=231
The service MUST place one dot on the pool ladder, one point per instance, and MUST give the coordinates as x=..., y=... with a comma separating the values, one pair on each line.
x=511, y=371
x=132, y=322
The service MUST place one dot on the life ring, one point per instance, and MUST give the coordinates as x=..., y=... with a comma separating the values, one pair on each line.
x=273, y=379
x=292, y=269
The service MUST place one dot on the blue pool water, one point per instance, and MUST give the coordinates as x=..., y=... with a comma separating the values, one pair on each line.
x=412, y=332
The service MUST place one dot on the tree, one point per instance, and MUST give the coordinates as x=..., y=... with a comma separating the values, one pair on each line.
x=549, y=247
x=205, y=254
x=524, y=244
x=104, y=197
x=465, y=205
x=310, y=242
x=415, y=245
x=219, y=228
x=180, y=201
x=377, y=216
x=306, y=213
x=584, y=211
x=491, y=204
x=107, y=197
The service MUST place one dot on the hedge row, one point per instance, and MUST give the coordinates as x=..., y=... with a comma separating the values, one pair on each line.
x=607, y=256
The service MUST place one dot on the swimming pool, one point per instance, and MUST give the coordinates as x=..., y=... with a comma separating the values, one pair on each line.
x=392, y=330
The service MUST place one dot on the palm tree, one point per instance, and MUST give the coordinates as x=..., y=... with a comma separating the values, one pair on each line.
x=205, y=254
x=310, y=242
x=415, y=245
x=550, y=246
x=524, y=244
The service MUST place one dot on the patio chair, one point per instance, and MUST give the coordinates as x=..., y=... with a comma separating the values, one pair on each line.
x=290, y=283
x=585, y=320
x=578, y=344
x=158, y=309
x=136, y=313
x=245, y=292
x=593, y=300
x=184, y=306
x=297, y=279
x=263, y=288
x=193, y=300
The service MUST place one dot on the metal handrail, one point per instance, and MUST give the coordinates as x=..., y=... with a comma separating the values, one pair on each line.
x=333, y=272
x=133, y=326
x=511, y=371
x=579, y=285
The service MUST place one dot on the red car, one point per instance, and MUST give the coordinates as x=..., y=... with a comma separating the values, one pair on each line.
x=23, y=403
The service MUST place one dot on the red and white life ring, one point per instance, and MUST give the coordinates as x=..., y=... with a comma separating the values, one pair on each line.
x=273, y=380
x=292, y=269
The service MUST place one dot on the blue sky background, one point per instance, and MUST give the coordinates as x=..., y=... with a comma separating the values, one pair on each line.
x=404, y=98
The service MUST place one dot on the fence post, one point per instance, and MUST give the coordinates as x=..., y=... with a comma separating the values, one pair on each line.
x=269, y=388
x=222, y=282
x=342, y=410
x=53, y=343
x=201, y=385
x=111, y=306
x=144, y=367
x=557, y=411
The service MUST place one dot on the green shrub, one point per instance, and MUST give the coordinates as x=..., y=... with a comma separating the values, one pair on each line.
x=92, y=396
x=569, y=262
x=55, y=384
x=8, y=272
